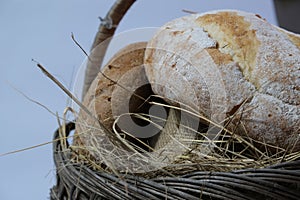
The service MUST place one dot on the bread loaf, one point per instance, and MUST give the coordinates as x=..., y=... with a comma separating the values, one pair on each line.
x=233, y=65
x=110, y=102
x=98, y=101
x=231, y=68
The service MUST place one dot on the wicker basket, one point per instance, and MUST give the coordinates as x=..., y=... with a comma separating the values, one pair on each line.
x=77, y=181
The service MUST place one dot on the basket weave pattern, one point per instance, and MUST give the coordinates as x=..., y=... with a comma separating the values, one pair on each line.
x=77, y=181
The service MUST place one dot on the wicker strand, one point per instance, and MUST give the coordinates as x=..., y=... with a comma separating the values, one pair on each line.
x=77, y=181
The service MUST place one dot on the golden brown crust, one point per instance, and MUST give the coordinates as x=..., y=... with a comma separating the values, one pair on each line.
x=218, y=57
x=98, y=97
x=234, y=36
x=248, y=52
x=129, y=57
x=293, y=37
x=268, y=58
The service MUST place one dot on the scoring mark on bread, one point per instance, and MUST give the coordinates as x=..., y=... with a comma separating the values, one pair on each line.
x=234, y=33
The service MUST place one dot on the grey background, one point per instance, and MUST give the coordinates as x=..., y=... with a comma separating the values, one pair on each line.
x=41, y=30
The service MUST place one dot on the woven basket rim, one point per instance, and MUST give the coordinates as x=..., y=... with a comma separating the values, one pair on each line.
x=77, y=181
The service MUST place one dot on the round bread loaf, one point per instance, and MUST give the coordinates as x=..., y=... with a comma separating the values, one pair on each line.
x=98, y=101
x=120, y=86
x=99, y=96
x=231, y=66
x=124, y=61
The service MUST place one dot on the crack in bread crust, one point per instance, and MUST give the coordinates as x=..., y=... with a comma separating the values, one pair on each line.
x=234, y=34
x=255, y=59
x=267, y=56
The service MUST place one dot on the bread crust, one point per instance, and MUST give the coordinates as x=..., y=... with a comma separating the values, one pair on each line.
x=107, y=100
x=240, y=54
x=99, y=96
x=125, y=60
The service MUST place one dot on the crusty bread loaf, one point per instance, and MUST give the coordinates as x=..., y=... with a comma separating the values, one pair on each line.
x=231, y=67
x=125, y=60
x=108, y=100
x=99, y=95
x=231, y=64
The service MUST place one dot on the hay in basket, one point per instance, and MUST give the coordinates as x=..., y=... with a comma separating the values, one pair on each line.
x=81, y=181
x=117, y=164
